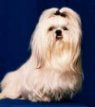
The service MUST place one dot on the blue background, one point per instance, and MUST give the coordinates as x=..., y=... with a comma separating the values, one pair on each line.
x=18, y=19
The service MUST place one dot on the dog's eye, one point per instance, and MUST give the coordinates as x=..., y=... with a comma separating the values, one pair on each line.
x=51, y=28
x=65, y=28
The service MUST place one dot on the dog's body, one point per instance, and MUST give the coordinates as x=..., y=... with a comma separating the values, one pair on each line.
x=54, y=69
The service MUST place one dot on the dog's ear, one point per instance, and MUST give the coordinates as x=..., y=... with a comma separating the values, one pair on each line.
x=48, y=13
x=68, y=12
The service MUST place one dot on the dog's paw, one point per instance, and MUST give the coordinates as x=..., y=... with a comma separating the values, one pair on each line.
x=1, y=96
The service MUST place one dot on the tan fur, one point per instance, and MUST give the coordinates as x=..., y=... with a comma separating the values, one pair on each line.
x=53, y=72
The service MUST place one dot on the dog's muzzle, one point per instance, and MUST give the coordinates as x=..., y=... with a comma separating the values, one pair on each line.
x=58, y=34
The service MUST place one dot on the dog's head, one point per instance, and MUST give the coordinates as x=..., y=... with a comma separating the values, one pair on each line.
x=58, y=33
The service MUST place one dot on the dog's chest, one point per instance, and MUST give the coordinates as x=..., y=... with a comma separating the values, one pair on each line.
x=46, y=84
x=45, y=79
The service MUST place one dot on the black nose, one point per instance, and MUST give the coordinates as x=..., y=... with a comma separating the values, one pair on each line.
x=58, y=32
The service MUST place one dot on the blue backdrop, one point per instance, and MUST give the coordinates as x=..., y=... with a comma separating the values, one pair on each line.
x=18, y=19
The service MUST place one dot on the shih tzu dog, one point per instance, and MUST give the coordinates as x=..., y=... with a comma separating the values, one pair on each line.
x=53, y=72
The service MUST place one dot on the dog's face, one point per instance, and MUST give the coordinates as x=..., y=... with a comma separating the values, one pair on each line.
x=58, y=32
x=58, y=27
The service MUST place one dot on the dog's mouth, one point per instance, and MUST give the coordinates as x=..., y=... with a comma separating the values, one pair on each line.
x=59, y=37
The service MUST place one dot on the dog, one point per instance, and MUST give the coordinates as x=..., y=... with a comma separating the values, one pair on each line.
x=54, y=70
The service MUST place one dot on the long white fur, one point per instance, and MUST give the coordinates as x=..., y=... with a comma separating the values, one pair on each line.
x=50, y=60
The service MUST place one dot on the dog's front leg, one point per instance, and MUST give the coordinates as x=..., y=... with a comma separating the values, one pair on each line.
x=10, y=86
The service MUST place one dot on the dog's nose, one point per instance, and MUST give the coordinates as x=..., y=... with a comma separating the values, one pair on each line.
x=58, y=32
